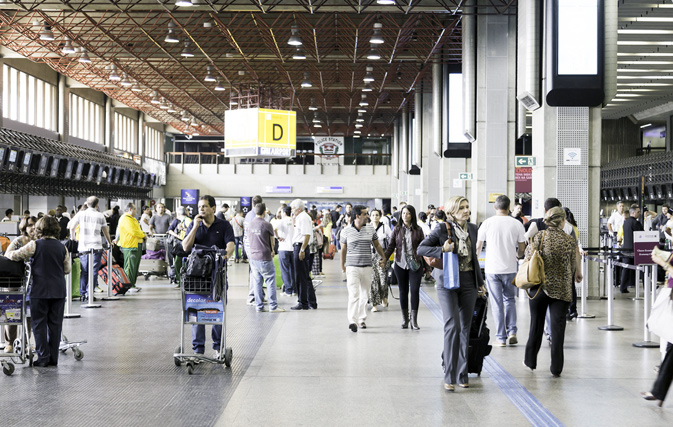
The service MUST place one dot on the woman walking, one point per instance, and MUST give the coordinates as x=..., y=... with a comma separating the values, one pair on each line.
x=378, y=293
x=406, y=237
x=459, y=236
x=560, y=254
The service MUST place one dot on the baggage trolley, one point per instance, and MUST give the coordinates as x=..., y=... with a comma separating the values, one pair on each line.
x=13, y=312
x=201, y=307
x=66, y=345
x=155, y=267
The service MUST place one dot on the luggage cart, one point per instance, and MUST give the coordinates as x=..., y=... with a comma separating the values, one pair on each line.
x=66, y=345
x=201, y=307
x=155, y=267
x=13, y=312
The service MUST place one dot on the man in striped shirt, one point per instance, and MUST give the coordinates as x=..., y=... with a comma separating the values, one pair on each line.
x=356, y=261
x=91, y=224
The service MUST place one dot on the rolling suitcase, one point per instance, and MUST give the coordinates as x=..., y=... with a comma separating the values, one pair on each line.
x=479, y=337
x=152, y=267
x=329, y=253
x=120, y=282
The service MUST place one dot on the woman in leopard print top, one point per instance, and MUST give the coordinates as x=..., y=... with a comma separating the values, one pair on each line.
x=561, y=257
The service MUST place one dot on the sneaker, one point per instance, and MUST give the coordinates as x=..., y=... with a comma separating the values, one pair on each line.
x=134, y=290
x=298, y=307
x=9, y=348
x=449, y=387
x=501, y=344
x=511, y=340
x=374, y=308
x=465, y=385
x=251, y=302
x=363, y=325
x=277, y=310
x=216, y=355
x=259, y=310
x=98, y=290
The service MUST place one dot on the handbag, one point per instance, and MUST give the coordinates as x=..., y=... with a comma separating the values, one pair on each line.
x=531, y=272
x=451, y=271
x=661, y=315
x=412, y=262
x=437, y=262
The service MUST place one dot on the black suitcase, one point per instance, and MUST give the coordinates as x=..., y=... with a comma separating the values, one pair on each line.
x=479, y=337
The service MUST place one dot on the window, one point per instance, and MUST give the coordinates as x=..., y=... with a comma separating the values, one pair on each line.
x=126, y=134
x=154, y=143
x=85, y=119
x=27, y=99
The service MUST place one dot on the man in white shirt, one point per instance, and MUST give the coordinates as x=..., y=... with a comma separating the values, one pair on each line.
x=303, y=229
x=506, y=241
x=91, y=224
x=145, y=220
x=616, y=220
x=284, y=233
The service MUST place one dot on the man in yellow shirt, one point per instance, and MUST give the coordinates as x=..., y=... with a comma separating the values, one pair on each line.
x=130, y=241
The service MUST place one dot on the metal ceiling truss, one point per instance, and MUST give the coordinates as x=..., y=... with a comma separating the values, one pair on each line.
x=244, y=42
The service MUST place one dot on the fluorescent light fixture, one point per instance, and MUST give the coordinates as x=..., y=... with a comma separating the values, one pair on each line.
x=218, y=86
x=307, y=81
x=84, y=57
x=125, y=81
x=209, y=76
x=647, y=125
x=184, y=3
x=67, y=47
x=299, y=54
x=187, y=52
x=46, y=34
x=373, y=54
x=294, y=39
x=376, y=37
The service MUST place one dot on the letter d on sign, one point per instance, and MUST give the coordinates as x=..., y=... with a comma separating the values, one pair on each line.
x=277, y=138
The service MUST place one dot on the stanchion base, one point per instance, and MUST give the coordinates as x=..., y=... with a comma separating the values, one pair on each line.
x=90, y=306
x=603, y=298
x=586, y=316
x=646, y=344
x=71, y=316
x=110, y=298
x=611, y=328
x=637, y=298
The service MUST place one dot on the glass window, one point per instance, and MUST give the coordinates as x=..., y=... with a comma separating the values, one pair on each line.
x=28, y=99
x=85, y=119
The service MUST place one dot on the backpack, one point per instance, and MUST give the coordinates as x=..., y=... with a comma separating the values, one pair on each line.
x=198, y=264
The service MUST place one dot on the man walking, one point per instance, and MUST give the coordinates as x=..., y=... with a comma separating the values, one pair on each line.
x=504, y=235
x=303, y=229
x=209, y=231
x=91, y=224
x=131, y=243
x=261, y=255
x=356, y=262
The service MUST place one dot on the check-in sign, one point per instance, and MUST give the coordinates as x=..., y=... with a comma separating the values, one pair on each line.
x=260, y=132
x=643, y=243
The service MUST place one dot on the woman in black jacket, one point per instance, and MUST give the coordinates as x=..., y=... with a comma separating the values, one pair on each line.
x=406, y=237
x=457, y=305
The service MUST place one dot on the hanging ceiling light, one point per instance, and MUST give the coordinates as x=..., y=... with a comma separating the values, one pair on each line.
x=358, y=125
x=154, y=99
x=67, y=47
x=171, y=37
x=357, y=132
x=184, y=3
x=361, y=110
x=360, y=119
x=184, y=117
x=369, y=76
x=163, y=105
x=376, y=37
x=46, y=33
x=294, y=39
x=373, y=54
x=113, y=73
x=84, y=57
x=135, y=87
x=299, y=54
x=187, y=52
x=385, y=2
x=218, y=86
x=307, y=80
x=171, y=108
x=233, y=102
x=193, y=122
x=317, y=125
x=363, y=101
x=125, y=81
x=209, y=75
x=315, y=118
x=367, y=88
x=312, y=107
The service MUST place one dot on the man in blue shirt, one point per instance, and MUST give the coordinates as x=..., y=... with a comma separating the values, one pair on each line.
x=208, y=230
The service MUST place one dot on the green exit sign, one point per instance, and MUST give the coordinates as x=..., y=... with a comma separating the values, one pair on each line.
x=465, y=176
x=524, y=161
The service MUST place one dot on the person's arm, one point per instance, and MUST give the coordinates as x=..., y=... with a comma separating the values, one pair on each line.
x=578, y=265
x=342, y=254
x=22, y=254
x=304, y=245
x=106, y=233
x=521, y=249
x=532, y=230
x=379, y=250
x=188, y=242
x=391, y=244
x=480, y=243
x=67, y=264
x=610, y=223
x=272, y=242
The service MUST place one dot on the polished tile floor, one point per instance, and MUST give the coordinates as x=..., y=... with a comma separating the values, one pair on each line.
x=307, y=369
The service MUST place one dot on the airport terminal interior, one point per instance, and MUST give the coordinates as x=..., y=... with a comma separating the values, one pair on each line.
x=367, y=102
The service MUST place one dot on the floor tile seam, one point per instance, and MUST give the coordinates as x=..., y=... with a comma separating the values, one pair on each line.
x=504, y=380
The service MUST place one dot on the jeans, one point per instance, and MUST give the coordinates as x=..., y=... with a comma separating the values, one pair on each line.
x=305, y=291
x=199, y=338
x=84, y=277
x=502, y=294
x=286, y=261
x=557, y=311
x=238, y=241
x=358, y=282
x=264, y=271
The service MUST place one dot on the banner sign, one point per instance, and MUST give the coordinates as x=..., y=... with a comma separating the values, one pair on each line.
x=329, y=150
x=260, y=132
x=523, y=180
x=246, y=205
x=643, y=243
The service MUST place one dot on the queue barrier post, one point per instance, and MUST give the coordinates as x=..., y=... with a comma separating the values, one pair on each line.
x=109, y=296
x=585, y=289
x=67, y=313
x=610, y=326
x=650, y=284
x=638, y=297
x=91, y=287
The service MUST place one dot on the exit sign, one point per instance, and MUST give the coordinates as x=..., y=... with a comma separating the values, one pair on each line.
x=465, y=176
x=524, y=161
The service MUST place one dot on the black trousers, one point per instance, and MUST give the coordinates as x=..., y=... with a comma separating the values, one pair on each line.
x=665, y=377
x=538, y=311
x=47, y=320
x=305, y=292
x=628, y=276
x=406, y=280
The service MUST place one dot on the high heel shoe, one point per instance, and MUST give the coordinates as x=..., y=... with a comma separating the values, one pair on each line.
x=649, y=396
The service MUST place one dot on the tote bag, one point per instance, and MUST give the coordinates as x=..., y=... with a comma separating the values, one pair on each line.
x=661, y=315
x=531, y=272
x=451, y=272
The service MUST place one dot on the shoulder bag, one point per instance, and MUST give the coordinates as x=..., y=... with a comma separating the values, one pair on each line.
x=437, y=262
x=531, y=272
